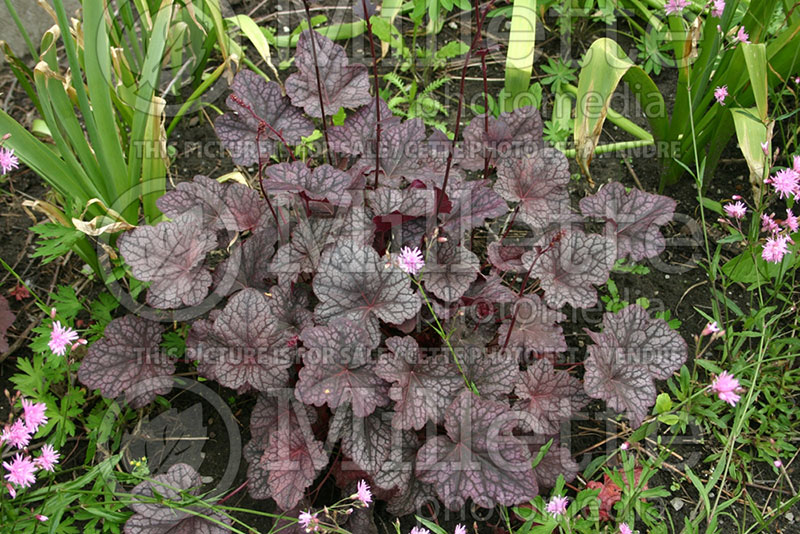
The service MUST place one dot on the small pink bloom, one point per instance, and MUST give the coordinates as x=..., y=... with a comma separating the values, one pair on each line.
x=765, y=148
x=8, y=161
x=41, y=517
x=419, y=530
x=625, y=446
x=410, y=260
x=48, y=459
x=17, y=435
x=11, y=490
x=33, y=413
x=721, y=93
x=736, y=197
x=726, y=386
x=796, y=164
x=460, y=529
x=557, y=505
x=364, y=495
x=742, y=35
x=711, y=328
x=775, y=248
x=768, y=224
x=716, y=11
x=791, y=221
x=308, y=521
x=778, y=464
x=21, y=471
x=786, y=183
x=737, y=210
x=676, y=7
x=625, y=529
x=60, y=338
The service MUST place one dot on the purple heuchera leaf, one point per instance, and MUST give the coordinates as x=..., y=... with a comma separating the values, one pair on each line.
x=422, y=388
x=127, y=360
x=7, y=318
x=535, y=328
x=449, y=270
x=152, y=517
x=473, y=204
x=354, y=283
x=244, y=349
x=632, y=351
x=493, y=374
x=548, y=397
x=556, y=461
x=338, y=369
x=322, y=183
x=249, y=263
x=401, y=145
x=507, y=258
x=343, y=85
x=512, y=135
x=255, y=103
x=570, y=266
x=357, y=135
x=633, y=219
x=171, y=256
x=293, y=460
x=231, y=206
x=479, y=458
x=538, y=182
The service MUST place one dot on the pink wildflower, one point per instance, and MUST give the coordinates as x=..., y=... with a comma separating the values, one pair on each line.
x=625, y=529
x=716, y=11
x=777, y=463
x=791, y=221
x=419, y=530
x=8, y=161
x=460, y=529
x=41, y=517
x=775, y=248
x=48, y=459
x=725, y=386
x=60, y=338
x=711, y=328
x=410, y=260
x=17, y=435
x=796, y=164
x=33, y=412
x=21, y=471
x=625, y=446
x=557, y=505
x=768, y=224
x=786, y=183
x=765, y=148
x=11, y=490
x=742, y=36
x=721, y=93
x=676, y=7
x=364, y=495
x=737, y=210
x=308, y=521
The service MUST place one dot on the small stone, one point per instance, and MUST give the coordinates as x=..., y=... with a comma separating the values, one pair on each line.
x=452, y=25
x=677, y=503
x=286, y=29
x=278, y=7
x=789, y=517
x=666, y=277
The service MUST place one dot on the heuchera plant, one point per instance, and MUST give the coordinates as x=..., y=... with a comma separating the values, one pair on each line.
x=312, y=315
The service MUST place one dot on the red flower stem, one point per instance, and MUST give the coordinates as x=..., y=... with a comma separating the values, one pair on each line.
x=234, y=492
x=480, y=16
x=261, y=122
x=319, y=83
x=377, y=92
x=486, y=113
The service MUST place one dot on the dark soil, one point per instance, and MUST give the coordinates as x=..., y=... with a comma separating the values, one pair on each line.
x=675, y=283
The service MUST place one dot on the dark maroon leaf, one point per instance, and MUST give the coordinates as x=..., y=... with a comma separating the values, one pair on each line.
x=412, y=498
x=171, y=256
x=449, y=270
x=402, y=146
x=293, y=461
x=322, y=183
x=632, y=219
x=343, y=85
x=245, y=349
x=512, y=135
x=127, y=360
x=627, y=356
x=290, y=310
x=434, y=157
x=493, y=373
x=538, y=182
x=422, y=388
x=479, y=458
x=535, y=328
x=506, y=258
x=357, y=135
x=339, y=369
x=473, y=204
x=256, y=101
x=354, y=283
x=7, y=318
x=548, y=397
x=152, y=517
x=570, y=268
x=556, y=461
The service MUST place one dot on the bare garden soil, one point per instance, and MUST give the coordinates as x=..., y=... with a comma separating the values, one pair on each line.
x=677, y=284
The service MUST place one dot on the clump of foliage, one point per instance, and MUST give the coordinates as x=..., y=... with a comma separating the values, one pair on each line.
x=311, y=313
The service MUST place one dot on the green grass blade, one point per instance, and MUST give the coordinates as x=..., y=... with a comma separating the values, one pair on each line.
x=755, y=57
x=520, y=55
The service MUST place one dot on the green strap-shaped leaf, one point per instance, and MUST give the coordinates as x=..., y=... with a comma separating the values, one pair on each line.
x=751, y=132
x=755, y=56
x=520, y=55
x=604, y=66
